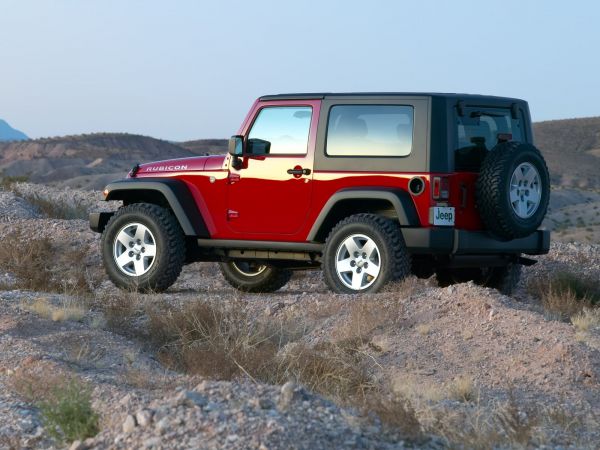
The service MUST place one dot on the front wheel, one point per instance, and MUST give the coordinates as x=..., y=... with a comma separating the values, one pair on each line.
x=252, y=276
x=363, y=252
x=143, y=248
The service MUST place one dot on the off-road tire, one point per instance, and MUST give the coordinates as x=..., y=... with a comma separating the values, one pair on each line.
x=170, y=247
x=505, y=278
x=270, y=279
x=493, y=190
x=395, y=261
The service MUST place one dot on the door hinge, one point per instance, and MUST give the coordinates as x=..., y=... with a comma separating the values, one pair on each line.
x=233, y=178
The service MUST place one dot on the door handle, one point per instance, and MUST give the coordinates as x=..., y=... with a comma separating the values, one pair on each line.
x=298, y=171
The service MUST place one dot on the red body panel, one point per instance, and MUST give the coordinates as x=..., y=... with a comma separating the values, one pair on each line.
x=261, y=201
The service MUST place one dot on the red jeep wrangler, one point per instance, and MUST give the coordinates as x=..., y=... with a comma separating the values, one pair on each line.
x=367, y=186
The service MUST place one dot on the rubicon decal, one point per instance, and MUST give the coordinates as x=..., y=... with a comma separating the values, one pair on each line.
x=166, y=168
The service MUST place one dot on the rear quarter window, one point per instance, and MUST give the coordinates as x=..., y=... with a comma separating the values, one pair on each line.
x=370, y=130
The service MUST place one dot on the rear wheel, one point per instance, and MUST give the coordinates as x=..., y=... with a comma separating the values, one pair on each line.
x=252, y=276
x=505, y=278
x=362, y=253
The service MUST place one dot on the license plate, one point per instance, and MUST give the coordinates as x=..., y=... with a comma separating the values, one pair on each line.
x=443, y=215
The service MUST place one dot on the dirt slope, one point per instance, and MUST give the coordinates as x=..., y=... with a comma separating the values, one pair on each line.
x=422, y=338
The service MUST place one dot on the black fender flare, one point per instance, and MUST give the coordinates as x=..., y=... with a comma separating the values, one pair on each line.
x=175, y=192
x=399, y=199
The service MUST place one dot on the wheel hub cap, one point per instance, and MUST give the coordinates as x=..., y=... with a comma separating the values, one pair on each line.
x=525, y=190
x=358, y=262
x=134, y=249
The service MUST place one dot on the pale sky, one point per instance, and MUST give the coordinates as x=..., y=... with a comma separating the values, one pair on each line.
x=184, y=69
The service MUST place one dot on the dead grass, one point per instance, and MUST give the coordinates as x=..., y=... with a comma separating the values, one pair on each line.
x=34, y=379
x=217, y=342
x=334, y=370
x=68, y=310
x=47, y=207
x=565, y=294
x=586, y=320
x=7, y=183
x=396, y=413
x=120, y=312
x=462, y=389
x=39, y=265
x=423, y=329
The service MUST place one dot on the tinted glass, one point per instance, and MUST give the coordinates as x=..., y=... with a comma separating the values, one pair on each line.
x=478, y=131
x=485, y=126
x=285, y=127
x=370, y=130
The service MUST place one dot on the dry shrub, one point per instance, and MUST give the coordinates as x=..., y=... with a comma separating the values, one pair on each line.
x=120, y=312
x=334, y=370
x=41, y=306
x=70, y=309
x=395, y=412
x=39, y=265
x=52, y=208
x=462, y=389
x=365, y=317
x=586, y=320
x=11, y=442
x=35, y=379
x=217, y=342
x=565, y=294
x=138, y=378
x=7, y=183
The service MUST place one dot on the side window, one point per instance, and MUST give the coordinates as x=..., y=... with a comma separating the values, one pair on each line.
x=285, y=127
x=370, y=130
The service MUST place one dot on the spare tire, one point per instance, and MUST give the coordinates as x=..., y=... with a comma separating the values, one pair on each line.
x=513, y=190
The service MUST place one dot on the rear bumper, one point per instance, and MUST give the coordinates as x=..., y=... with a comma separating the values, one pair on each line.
x=461, y=242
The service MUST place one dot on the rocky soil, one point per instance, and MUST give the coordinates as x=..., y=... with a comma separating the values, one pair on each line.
x=422, y=339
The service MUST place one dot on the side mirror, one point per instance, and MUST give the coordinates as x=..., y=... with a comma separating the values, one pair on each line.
x=258, y=147
x=236, y=145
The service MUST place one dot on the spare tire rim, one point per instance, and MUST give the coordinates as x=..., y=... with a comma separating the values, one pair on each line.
x=525, y=190
x=134, y=249
x=249, y=269
x=358, y=262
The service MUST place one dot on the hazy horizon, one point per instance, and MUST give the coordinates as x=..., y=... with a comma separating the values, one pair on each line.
x=184, y=70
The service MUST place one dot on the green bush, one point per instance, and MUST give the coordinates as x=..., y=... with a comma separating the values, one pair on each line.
x=67, y=414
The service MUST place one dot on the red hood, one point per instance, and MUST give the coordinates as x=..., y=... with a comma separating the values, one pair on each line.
x=195, y=164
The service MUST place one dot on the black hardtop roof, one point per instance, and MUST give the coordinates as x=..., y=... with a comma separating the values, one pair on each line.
x=453, y=96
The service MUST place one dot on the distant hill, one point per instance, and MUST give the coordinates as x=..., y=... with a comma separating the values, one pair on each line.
x=572, y=150
x=211, y=146
x=87, y=161
x=8, y=133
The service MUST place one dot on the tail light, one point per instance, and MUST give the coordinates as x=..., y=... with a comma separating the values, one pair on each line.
x=440, y=188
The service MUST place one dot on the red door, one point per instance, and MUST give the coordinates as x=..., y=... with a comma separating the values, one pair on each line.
x=270, y=194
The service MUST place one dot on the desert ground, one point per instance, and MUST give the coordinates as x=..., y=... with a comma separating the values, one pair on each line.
x=205, y=366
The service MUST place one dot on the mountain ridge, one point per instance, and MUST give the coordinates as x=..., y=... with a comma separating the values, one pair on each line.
x=10, y=134
x=571, y=148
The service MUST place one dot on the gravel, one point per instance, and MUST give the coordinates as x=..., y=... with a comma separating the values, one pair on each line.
x=423, y=338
